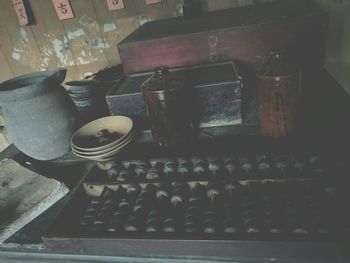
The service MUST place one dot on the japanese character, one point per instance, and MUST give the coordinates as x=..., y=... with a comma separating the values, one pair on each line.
x=63, y=8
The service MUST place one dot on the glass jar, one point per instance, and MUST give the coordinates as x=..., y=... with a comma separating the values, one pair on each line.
x=167, y=108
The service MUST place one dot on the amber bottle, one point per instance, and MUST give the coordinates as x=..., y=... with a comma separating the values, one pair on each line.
x=166, y=100
x=279, y=86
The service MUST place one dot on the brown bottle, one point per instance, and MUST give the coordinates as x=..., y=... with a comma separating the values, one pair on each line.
x=279, y=84
x=166, y=103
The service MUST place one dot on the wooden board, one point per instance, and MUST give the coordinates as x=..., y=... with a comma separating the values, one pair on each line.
x=224, y=4
x=151, y=12
x=173, y=8
x=24, y=195
x=6, y=70
x=85, y=37
x=19, y=43
x=54, y=44
x=115, y=26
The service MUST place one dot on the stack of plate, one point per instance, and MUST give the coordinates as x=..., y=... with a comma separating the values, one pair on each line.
x=103, y=139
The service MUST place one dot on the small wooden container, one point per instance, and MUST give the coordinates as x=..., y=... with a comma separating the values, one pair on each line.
x=279, y=86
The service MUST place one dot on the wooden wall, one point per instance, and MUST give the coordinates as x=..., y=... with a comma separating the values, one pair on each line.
x=337, y=59
x=83, y=44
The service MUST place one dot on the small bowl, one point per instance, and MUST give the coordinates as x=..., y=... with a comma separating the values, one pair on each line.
x=114, y=124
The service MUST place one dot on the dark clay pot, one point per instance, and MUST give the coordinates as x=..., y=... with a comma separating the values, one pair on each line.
x=39, y=116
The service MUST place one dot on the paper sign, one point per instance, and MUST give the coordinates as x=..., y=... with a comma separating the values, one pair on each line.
x=115, y=4
x=63, y=9
x=21, y=12
x=151, y=2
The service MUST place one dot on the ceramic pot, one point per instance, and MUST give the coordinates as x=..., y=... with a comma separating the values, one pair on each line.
x=39, y=115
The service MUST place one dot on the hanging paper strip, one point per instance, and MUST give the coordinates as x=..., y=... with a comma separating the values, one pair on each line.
x=63, y=9
x=151, y=2
x=115, y=4
x=21, y=12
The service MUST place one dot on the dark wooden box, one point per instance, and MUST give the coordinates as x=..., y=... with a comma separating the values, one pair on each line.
x=216, y=97
x=243, y=34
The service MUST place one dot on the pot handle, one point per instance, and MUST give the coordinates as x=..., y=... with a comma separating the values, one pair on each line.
x=59, y=75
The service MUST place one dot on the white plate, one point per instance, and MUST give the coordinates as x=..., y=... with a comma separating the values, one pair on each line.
x=104, y=156
x=94, y=153
x=118, y=124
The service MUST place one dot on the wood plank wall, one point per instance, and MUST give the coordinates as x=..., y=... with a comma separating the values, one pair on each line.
x=337, y=59
x=83, y=44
